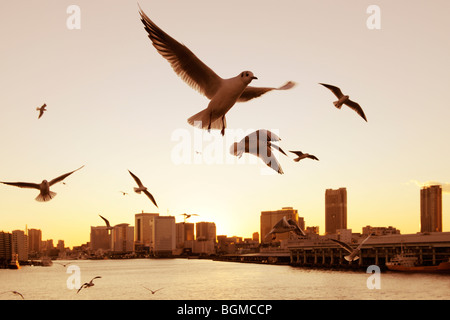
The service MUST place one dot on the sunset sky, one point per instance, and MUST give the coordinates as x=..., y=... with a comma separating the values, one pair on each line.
x=114, y=104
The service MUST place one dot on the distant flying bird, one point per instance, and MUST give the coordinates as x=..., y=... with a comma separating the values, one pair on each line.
x=41, y=110
x=285, y=225
x=14, y=292
x=88, y=284
x=141, y=188
x=44, y=187
x=222, y=93
x=63, y=264
x=302, y=155
x=259, y=143
x=353, y=256
x=108, y=226
x=153, y=291
x=124, y=193
x=343, y=99
x=187, y=216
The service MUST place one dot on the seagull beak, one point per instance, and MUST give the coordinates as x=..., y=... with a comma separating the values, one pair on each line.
x=254, y=78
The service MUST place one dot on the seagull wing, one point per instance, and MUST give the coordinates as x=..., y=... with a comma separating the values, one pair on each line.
x=62, y=177
x=361, y=244
x=268, y=157
x=254, y=92
x=149, y=195
x=297, y=230
x=23, y=184
x=82, y=286
x=343, y=245
x=138, y=181
x=185, y=63
x=277, y=148
x=312, y=157
x=356, y=107
x=106, y=221
x=297, y=153
x=337, y=92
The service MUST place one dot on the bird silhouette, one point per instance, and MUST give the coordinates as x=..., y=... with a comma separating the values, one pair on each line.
x=344, y=99
x=108, y=226
x=222, y=93
x=41, y=110
x=353, y=252
x=153, y=291
x=14, y=292
x=285, y=225
x=44, y=187
x=88, y=284
x=142, y=188
x=301, y=155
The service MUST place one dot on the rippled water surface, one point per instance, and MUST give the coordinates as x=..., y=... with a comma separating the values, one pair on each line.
x=184, y=279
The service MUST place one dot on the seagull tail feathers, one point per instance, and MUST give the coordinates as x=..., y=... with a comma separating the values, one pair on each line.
x=202, y=120
x=337, y=104
x=349, y=258
x=297, y=159
x=45, y=197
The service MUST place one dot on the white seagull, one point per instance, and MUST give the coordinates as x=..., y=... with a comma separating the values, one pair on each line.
x=153, y=291
x=222, y=93
x=285, y=225
x=353, y=256
x=259, y=143
x=15, y=292
x=88, y=284
x=142, y=188
x=41, y=110
x=344, y=99
x=302, y=155
x=44, y=187
x=108, y=226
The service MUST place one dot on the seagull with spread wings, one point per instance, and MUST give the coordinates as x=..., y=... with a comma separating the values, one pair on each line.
x=153, y=291
x=344, y=99
x=286, y=225
x=222, y=93
x=300, y=155
x=108, y=226
x=44, y=187
x=260, y=144
x=15, y=292
x=142, y=188
x=88, y=284
x=353, y=252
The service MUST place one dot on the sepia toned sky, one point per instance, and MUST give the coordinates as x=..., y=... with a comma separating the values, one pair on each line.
x=114, y=104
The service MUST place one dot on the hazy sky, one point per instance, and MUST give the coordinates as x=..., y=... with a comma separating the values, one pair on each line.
x=115, y=104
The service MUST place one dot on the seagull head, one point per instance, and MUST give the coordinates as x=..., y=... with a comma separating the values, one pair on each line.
x=247, y=76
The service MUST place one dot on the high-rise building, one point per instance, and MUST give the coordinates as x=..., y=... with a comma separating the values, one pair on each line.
x=205, y=231
x=184, y=232
x=20, y=245
x=122, y=238
x=431, y=209
x=335, y=210
x=100, y=239
x=269, y=218
x=5, y=248
x=34, y=241
x=155, y=234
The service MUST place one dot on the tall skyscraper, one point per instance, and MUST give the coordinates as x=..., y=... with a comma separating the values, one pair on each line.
x=269, y=218
x=34, y=241
x=155, y=234
x=335, y=210
x=5, y=248
x=100, y=239
x=185, y=232
x=122, y=238
x=143, y=232
x=431, y=209
x=20, y=244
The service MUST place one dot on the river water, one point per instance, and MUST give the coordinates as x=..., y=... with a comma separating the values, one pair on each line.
x=183, y=279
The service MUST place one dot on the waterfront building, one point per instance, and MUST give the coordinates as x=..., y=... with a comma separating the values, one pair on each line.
x=205, y=231
x=100, y=239
x=34, y=241
x=379, y=231
x=335, y=210
x=184, y=235
x=255, y=236
x=155, y=234
x=122, y=238
x=20, y=245
x=5, y=248
x=269, y=218
x=431, y=209
x=143, y=237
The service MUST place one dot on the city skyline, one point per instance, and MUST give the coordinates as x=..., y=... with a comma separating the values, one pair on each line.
x=113, y=104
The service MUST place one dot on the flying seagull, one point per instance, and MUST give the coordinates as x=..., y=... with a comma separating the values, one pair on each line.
x=222, y=93
x=41, y=110
x=302, y=155
x=285, y=225
x=14, y=292
x=187, y=216
x=88, y=284
x=259, y=143
x=153, y=291
x=108, y=226
x=344, y=99
x=124, y=193
x=44, y=187
x=63, y=264
x=141, y=188
x=353, y=252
